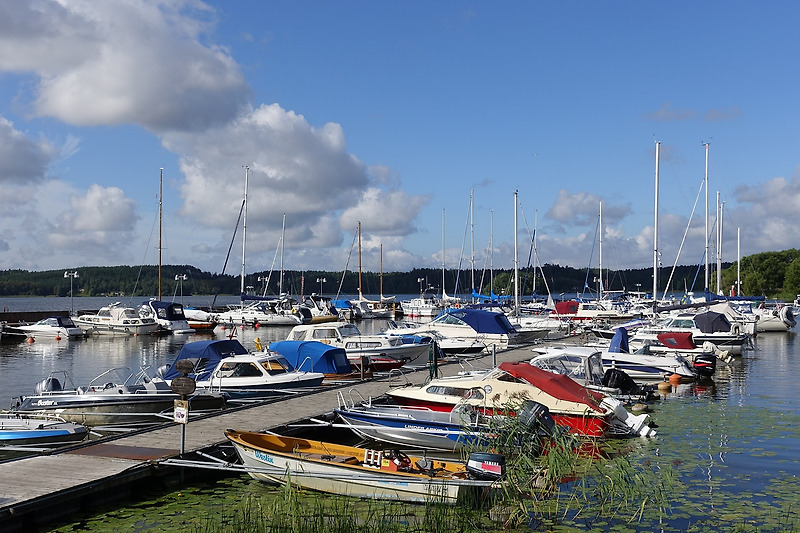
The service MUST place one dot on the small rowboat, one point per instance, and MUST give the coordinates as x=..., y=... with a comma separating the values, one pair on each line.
x=362, y=473
x=22, y=430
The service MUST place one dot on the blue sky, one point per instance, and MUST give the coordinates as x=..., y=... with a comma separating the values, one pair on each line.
x=391, y=113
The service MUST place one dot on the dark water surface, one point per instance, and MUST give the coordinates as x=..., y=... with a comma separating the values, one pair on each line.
x=733, y=445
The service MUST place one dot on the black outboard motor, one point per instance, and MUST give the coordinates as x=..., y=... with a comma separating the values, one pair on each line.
x=615, y=378
x=536, y=418
x=486, y=466
x=705, y=364
x=50, y=384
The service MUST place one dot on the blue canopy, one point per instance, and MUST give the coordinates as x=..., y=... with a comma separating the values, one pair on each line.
x=205, y=355
x=619, y=342
x=305, y=355
x=482, y=321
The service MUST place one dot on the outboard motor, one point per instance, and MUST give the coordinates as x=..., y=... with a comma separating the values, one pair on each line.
x=50, y=384
x=536, y=418
x=486, y=466
x=705, y=364
x=615, y=378
x=162, y=371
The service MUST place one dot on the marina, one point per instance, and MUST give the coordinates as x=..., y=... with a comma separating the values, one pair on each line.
x=728, y=439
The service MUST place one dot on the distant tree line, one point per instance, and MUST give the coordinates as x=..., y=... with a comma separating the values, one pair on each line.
x=769, y=274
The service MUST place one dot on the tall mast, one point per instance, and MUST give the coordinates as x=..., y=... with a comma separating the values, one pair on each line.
x=472, y=236
x=655, y=234
x=491, y=251
x=720, y=216
x=705, y=181
x=244, y=227
x=535, y=255
x=283, y=244
x=516, y=259
x=160, y=179
x=738, y=263
x=381, y=279
x=602, y=285
x=360, y=297
x=444, y=294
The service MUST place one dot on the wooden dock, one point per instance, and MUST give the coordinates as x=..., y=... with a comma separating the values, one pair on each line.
x=42, y=488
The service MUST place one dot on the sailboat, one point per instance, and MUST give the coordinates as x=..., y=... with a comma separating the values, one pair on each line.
x=261, y=311
x=372, y=308
x=169, y=315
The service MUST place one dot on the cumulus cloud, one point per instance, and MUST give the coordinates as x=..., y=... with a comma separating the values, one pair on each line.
x=114, y=62
x=22, y=160
x=583, y=209
x=666, y=113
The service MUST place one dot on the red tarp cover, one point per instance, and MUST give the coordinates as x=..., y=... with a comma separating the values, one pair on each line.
x=679, y=340
x=556, y=385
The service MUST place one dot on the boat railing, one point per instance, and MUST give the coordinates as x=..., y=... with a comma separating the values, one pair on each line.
x=395, y=374
x=302, y=364
x=340, y=398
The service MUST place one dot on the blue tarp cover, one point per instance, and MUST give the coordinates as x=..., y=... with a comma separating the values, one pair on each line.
x=205, y=355
x=619, y=342
x=323, y=357
x=483, y=321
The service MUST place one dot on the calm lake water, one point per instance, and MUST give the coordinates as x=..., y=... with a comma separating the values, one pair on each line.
x=733, y=445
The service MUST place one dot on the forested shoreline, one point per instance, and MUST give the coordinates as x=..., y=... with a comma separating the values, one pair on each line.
x=775, y=275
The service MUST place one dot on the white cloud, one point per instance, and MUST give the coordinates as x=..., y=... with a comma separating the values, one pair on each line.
x=22, y=160
x=123, y=61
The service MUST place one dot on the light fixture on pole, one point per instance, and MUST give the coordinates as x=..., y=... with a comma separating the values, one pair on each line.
x=321, y=281
x=420, y=280
x=180, y=278
x=71, y=275
x=263, y=280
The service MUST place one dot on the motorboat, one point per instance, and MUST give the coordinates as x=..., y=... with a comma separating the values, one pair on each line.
x=316, y=309
x=115, y=397
x=487, y=327
x=426, y=306
x=584, y=365
x=360, y=472
x=705, y=326
x=774, y=318
x=502, y=389
x=169, y=316
x=316, y=356
x=384, y=352
x=56, y=327
x=115, y=319
x=18, y=430
x=200, y=320
x=267, y=312
x=448, y=346
x=647, y=365
x=225, y=366
x=422, y=427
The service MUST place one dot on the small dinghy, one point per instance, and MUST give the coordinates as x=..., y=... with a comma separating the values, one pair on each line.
x=23, y=430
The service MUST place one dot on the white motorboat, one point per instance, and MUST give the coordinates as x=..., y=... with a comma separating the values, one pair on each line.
x=384, y=352
x=706, y=326
x=225, y=366
x=645, y=365
x=426, y=306
x=775, y=319
x=273, y=312
x=17, y=430
x=116, y=396
x=114, y=319
x=57, y=327
x=169, y=316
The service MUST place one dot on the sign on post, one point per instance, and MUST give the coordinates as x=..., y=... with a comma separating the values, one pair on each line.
x=181, y=411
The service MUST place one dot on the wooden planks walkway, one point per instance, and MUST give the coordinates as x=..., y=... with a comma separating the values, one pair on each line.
x=42, y=487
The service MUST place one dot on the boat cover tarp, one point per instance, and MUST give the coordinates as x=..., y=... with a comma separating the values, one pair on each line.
x=308, y=355
x=710, y=322
x=679, y=340
x=619, y=342
x=483, y=321
x=556, y=385
x=569, y=307
x=167, y=310
x=205, y=355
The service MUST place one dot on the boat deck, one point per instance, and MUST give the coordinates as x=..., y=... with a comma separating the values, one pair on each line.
x=39, y=488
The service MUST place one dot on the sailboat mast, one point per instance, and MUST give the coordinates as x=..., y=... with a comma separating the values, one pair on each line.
x=655, y=233
x=472, y=236
x=381, y=284
x=360, y=297
x=160, y=196
x=516, y=259
x=705, y=181
x=602, y=285
x=244, y=227
x=444, y=294
x=283, y=242
x=720, y=215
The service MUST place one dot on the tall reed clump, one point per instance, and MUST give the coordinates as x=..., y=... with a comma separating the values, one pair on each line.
x=565, y=479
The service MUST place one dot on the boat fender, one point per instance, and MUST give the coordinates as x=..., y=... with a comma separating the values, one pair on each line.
x=735, y=329
x=258, y=344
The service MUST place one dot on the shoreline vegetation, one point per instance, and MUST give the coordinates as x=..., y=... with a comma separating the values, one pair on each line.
x=774, y=275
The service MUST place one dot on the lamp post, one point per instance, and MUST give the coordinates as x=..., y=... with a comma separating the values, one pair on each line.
x=71, y=275
x=263, y=280
x=321, y=281
x=420, y=280
x=180, y=279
